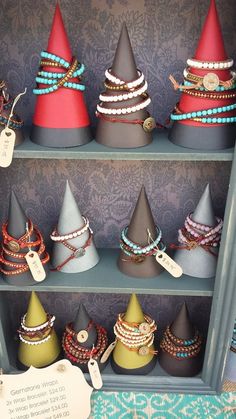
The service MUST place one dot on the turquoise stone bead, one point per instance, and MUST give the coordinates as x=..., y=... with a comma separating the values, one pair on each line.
x=204, y=113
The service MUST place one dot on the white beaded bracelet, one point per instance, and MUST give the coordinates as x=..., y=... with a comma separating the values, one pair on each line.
x=36, y=328
x=125, y=96
x=216, y=65
x=123, y=111
x=120, y=82
x=59, y=238
x=34, y=342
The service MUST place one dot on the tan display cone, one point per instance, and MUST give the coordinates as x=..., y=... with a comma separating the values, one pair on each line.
x=70, y=220
x=38, y=355
x=125, y=361
x=123, y=135
x=198, y=262
x=182, y=329
x=141, y=220
x=16, y=228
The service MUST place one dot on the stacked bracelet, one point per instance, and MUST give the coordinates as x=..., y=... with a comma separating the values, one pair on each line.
x=137, y=337
x=41, y=333
x=127, y=91
x=7, y=102
x=181, y=348
x=80, y=354
x=195, y=234
x=138, y=253
x=211, y=65
x=56, y=80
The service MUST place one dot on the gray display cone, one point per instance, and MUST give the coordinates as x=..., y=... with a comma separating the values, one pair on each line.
x=16, y=228
x=198, y=262
x=141, y=220
x=116, y=134
x=70, y=220
x=82, y=322
x=182, y=329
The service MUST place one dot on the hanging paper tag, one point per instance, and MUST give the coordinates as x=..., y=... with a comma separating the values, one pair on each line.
x=7, y=143
x=169, y=264
x=95, y=374
x=35, y=265
x=54, y=392
x=107, y=352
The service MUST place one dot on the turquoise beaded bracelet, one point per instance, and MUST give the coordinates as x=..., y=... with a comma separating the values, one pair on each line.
x=203, y=113
x=52, y=79
x=136, y=248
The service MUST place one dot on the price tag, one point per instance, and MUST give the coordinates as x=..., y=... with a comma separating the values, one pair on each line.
x=95, y=374
x=107, y=352
x=56, y=392
x=169, y=264
x=35, y=265
x=7, y=143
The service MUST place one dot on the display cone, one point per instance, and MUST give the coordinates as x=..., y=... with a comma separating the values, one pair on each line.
x=123, y=135
x=141, y=220
x=16, y=228
x=125, y=361
x=70, y=220
x=83, y=322
x=43, y=354
x=61, y=118
x=182, y=329
x=199, y=135
x=198, y=262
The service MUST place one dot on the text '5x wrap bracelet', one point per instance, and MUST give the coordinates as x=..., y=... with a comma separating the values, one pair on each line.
x=194, y=235
x=138, y=253
x=136, y=337
x=68, y=75
x=126, y=91
x=12, y=247
x=76, y=252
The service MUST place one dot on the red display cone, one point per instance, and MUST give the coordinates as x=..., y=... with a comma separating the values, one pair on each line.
x=214, y=135
x=61, y=117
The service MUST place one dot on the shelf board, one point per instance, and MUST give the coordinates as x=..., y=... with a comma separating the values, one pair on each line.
x=160, y=149
x=106, y=278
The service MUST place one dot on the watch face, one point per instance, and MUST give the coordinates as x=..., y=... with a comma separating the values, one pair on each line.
x=211, y=81
x=82, y=336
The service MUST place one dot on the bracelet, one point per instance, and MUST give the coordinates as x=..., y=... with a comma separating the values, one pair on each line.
x=58, y=80
x=210, y=95
x=181, y=349
x=148, y=124
x=178, y=116
x=60, y=238
x=123, y=111
x=216, y=65
x=129, y=85
x=37, y=331
x=211, y=78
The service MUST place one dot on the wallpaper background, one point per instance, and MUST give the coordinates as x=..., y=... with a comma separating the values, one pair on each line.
x=163, y=34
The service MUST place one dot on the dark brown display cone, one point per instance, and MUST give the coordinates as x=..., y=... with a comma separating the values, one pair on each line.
x=81, y=322
x=117, y=134
x=141, y=220
x=198, y=262
x=16, y=228
x=182, y=329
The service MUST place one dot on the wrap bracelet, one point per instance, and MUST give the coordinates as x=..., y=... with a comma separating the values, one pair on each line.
x=56, y=237
x=148, y=124
x=211, y=65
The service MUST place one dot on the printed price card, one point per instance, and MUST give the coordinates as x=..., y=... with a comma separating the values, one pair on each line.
x=56, y=392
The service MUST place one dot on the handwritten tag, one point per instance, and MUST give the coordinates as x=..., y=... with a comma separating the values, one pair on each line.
x=95, y=374
x=58, y=391
x=169, y=264
x=7, y=143
x=107, y=352
x=35, y=265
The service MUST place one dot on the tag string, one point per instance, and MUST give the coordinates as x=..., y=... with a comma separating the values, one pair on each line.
x=14, y=104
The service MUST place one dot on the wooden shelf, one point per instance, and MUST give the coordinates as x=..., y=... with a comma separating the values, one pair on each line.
x=160, y=149
x=106, y=278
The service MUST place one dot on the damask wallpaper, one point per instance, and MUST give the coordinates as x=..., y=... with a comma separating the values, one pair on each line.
x=163, y=34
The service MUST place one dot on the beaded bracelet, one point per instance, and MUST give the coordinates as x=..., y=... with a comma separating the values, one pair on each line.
x=130, y=85
x=123, y=111
x=60, y=238
x=178, y=116
x=57, y=80
x=37, y=331
x=211, y=65
x=137, y=337
x=181, y=349
x=220, y=85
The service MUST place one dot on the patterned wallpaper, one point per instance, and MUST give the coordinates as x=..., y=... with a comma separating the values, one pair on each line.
x=163, y=35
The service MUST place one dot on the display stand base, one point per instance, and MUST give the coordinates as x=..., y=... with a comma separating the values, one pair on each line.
x=184, y=368
x=23, y=367
x=60, y=137
x=201, y=138
x=146, y=369
x=120, y=135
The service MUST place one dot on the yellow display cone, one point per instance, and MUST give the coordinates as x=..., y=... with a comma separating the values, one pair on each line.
x=43, y=354
x=124, y=360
